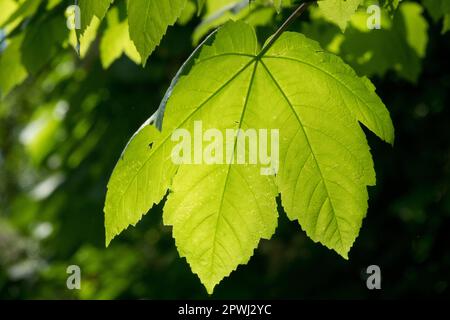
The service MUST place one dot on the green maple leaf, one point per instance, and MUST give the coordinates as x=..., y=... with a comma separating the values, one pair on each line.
x=219, y=212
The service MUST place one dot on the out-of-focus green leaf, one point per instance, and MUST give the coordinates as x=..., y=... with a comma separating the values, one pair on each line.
x=446, y=25
x=389, y=5
x=339, y=11
x=90, y=9
x=52, y=4
x=116, y=40
x=26, y=9
x=278, y=4
x=439, y=9
x=91, y=14
x=399, y=45
x=13, y=72
x=7, y=8
x=188, y=13
x=37, y=49
x=200, y=5
x=87, y=38
x=148, y=21
x=41, y=133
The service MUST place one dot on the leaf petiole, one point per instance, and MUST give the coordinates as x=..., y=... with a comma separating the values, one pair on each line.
x=297, y=13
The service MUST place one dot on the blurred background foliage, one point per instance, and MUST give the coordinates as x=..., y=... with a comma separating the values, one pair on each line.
x=64, y=121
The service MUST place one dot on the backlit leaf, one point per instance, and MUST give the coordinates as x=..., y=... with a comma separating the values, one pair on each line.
x=149, y=19
x=339, y=11
x=220, y=212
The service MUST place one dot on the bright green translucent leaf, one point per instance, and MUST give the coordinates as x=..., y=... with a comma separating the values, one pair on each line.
x=13, y=72
x=7, y=8
x=140, y=179
x=116, y=41
x=30, y=52
x=278, y=4
x=86, y=39
x=339, y=11
x=39, y=136
x=25, y=9
x=51, y=4
x=90, y=9
x=91, y=15
x=149, y=19
x=144, y=153
x=187, y=14
x=220, y=212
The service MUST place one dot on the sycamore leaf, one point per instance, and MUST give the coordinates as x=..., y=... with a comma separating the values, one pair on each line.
x=339, y=11
x=140, y=179
x=219, y=212
x=149, y=19
x=157, y=117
